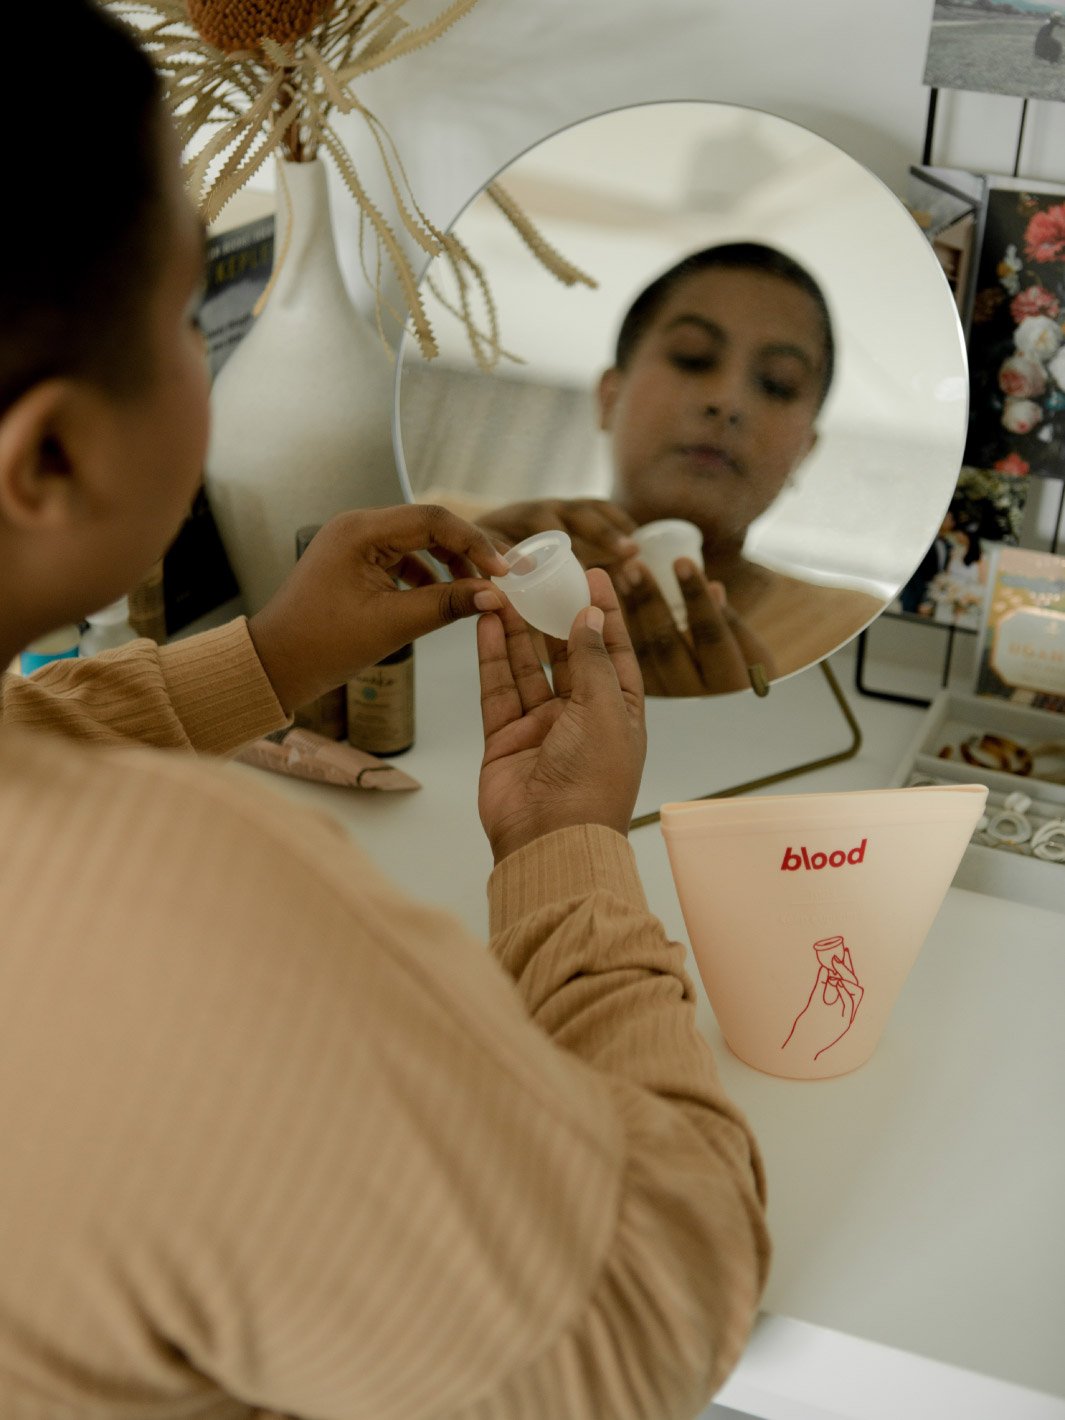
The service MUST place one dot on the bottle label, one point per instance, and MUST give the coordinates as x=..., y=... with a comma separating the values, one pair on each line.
x=381, y=708
x=328, y=715
x=30, y=661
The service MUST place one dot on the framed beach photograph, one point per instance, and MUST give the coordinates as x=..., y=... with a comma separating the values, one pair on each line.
x=997, y=48
x=1016, y=341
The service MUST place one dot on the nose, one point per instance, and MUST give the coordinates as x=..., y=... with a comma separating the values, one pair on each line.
x=723, y=396
x=726, y=413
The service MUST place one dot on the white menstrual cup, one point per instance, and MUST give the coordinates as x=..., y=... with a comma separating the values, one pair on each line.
x=546, y=584
x=660, y=544
x=807, y=911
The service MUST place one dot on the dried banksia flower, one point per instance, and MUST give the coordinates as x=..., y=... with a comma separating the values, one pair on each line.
x=232, y=25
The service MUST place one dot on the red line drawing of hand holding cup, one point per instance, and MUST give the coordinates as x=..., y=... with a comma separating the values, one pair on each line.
x=833, y=1001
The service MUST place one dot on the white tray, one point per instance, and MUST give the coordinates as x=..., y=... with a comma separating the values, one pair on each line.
x=999, y=872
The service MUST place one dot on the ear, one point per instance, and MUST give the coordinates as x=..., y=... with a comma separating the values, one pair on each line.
x=793, y=477
x=39, y=487
x=607, y=395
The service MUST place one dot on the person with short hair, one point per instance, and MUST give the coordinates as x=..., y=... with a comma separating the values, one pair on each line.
x=721, y=367
x=278, y=1140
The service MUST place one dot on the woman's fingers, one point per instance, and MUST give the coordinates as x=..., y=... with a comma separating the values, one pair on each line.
x=721, y=659
x=513, y=681
x=500, y=701
x=599, y=532
x=664, y=657
x=416, y=527
x=526, y=669
x=615, y=639
x=615, y=635
x=754, y=650
x=414, y=571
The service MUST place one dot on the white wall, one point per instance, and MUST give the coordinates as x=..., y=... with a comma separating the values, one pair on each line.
x=512, y=71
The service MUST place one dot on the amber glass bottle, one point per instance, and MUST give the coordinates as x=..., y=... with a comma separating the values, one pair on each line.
x=381, y=705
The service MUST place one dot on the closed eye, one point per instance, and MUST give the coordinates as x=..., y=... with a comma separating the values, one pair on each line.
x=779, y=389
x=695, y=364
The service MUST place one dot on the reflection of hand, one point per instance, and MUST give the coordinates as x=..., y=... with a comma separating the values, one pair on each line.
x=558, y=758
x=340, y=609
x=711, y=658
x=599, y=530
x=833, y=1003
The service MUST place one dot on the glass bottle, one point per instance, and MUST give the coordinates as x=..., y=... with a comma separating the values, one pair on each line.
x=327, y=715
x=107, y=628
x=381, y=705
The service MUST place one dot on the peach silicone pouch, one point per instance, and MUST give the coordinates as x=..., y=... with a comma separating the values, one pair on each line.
x=807, y=911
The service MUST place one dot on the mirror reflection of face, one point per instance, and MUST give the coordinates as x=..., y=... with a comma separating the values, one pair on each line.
x=717, y=400
x=715, y=406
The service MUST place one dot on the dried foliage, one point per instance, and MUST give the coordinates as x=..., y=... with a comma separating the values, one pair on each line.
x=250, y=79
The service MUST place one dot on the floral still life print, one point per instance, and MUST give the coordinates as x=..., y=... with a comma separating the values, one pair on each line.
x=1017, y=334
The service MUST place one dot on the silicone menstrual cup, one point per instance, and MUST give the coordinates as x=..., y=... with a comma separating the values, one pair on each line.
x=660, y=544
x=546, y=584
x=807, y=911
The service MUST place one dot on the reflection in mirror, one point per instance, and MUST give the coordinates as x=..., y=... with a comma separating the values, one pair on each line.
x=770, y=352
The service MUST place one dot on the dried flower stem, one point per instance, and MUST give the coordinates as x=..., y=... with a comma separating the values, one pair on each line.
x=277, y=98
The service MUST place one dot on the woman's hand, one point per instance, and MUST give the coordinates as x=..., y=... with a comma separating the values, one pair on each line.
x=716, y=653
x=341, y=610
x=556, y=758
x=599, y=530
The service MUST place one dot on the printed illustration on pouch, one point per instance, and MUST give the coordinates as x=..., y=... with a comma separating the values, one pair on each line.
x=833, y=1002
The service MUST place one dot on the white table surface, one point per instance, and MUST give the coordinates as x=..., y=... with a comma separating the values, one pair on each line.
x=916, y=1204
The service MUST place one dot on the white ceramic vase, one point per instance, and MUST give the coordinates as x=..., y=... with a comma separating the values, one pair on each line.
x=301, y=409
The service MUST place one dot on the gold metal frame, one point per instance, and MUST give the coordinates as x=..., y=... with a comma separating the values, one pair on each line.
x=848, y=753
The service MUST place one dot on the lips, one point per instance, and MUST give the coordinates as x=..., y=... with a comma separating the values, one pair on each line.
x=709, y=458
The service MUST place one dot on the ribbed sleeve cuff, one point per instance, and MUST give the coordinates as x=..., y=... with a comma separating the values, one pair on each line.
x=570, y=863
x=219, y=688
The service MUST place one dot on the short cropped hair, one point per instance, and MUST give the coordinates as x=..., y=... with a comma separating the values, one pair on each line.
x=81, y=235
x=734, y=256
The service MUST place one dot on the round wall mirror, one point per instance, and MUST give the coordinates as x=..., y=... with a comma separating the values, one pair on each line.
x=790, y=378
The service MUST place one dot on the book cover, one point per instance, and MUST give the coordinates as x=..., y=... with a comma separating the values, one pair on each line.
x=1021, y=650
x=239, y=260
x=949, y=584
x=197, y=577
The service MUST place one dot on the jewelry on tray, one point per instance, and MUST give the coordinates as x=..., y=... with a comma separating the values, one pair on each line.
x=1010, y=825
x=996, y=752
x=1048, y=841
x=1054, y=751
x=1008, y=756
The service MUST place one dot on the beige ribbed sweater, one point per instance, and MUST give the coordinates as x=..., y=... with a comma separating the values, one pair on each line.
x=274, y=1138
